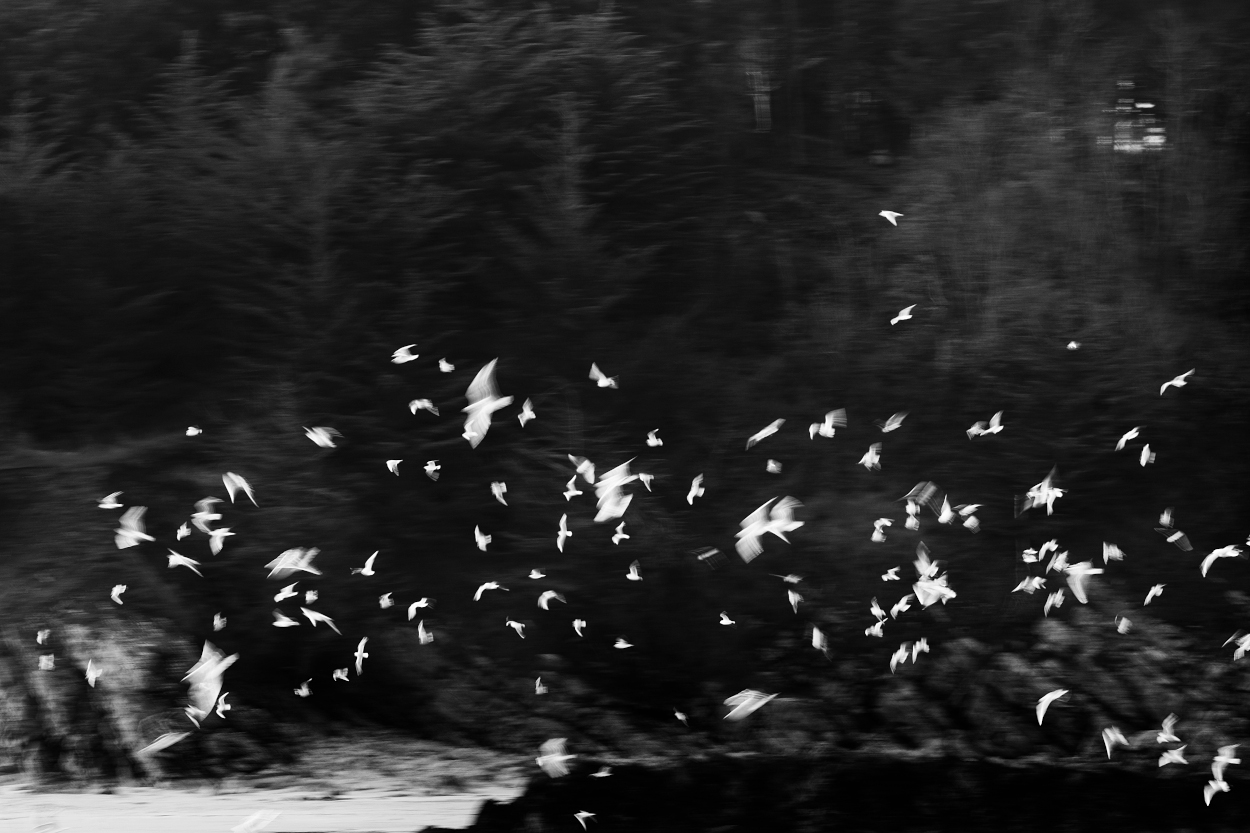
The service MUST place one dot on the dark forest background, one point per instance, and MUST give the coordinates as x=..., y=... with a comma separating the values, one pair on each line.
x=229, y=214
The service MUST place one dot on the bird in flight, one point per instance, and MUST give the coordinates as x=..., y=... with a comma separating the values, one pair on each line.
x=537, y=574
x=696, y=489
x=1044, y=703
x=582, y=817
x=412, y=608
x=1167, y=733
x=833, y=420
x=490, y=585
x=484, y=400
x=872, y=459
x=361, y=656
x=366, y=570
x=646, y=479
x=1223, y=759
x=1110, y=552
x=1175, y=536
x=1031, y=585
x=545, y=599
x=499, y=489
x=633, y=575
x=1212, y=787
x=219, y=622
x=110, y=501
x=385, y=601
x=183, y=532
x=527, y=412
x=1132, y=434
x=891, y=575
x=204, y=515
x=539, y=688
x=422, y=405
x=432, y=469
x=217, y=539
x=878, y=529
x=292, y=561
x=314, y=617
x=176, y=560
x=597, y=376
x=1053, y=600
x=765, y=432
x=553, y=757
x=563, y=532
x=288, y=592
x=772, y=467
x=393, y=466
x=235, y=483
x=131, y=530
x=1078, y=575
x=903, y=315
x=578, y=624
x=619, y=534
x=304, y=690
x=725, y=620
x=571, y=490
x=652, y=440
x=194, y=430
x=340, y=674
x=1147, y=456
x=584, y=467
x=1156, y=590
x=445, y=366
x=1223, y=552
x=621, y=643
x=280, y=620
x=93, y=673
x=892, y=216
x=980, y=429
x=424, y=637
x=322, y=436
x=516, y=626
x=1178, y=382
x=1173, y=756
x=745, y=703
x=893, y=423
x=778, y=520
x=1112, y=737
x=481, y=539
x=116, y=594
x=901, y=606
x=405, y=354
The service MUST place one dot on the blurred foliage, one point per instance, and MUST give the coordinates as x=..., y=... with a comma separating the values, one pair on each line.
x=229, y=214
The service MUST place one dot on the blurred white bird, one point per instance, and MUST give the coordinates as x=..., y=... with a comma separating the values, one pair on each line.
x=1123, y=624
x=314, y=617
x=432, y=469
x=876, y=610
x=222, y=706
x=772, y=467
x=1173, y=756
x=571, y=490
x=745, y=703
x=795, y=599
x=527, y=412
x=612, y=502
x=545, y=599
x=1078, y=578
x=304, y=690
x=602, y=773
x=597, y=376
x=901, y=606
x=652, y=440
x=582, y=817
x=893, y=423
x=116, y=594
x=310, y=596
x=765, y=432
x=219, y=622
x=789, y=579
x=1131, y=435
x=620, y=534
x=42, y=635
x=537, y=574
x=182, y=532
x=385, y=601
x=366, y=570
x=1178, y=382
x=164, y=741
x=539, y=688
x=422, y=405
x=1212, y=787
x=892, y=216
x=778, y=520
x=204, y=515
x=1223, y=759
x=1044, y=703
x=282, y=621
x=920, y=646
x=235, y=483
x=412, y=608
x=484, y=400
x=1042, y=494
x=490, y=585
x=1112, y=737
x=819, y=641
x=481, y=539
x=1167, y=733
x=1165, y=518
x=516, y=626
x=1030, y=585
x=1154, y=591
x=339, y=674
x=1223, y=552
x=1180, y=539
x=322, y=435
x=900, y=655
x=194, y=430
x=834, y=420
x=913, y=515
x=946, y=515
x=633, y=575
x=563, y=532
x=47, y=662
x=217, y=538
x=1147, y=456
x=696, y=489
x=404, y=354
x=292, y=561
x=93, y=673
x=903, y=315
x=980, y=429
x=131, y=530
x=286, y=593
x=553, y=757
x=499, y=489
x=1074, y=345
x=878, y=529
x=361, y=656
x=872, y=459
x=877, y=629
x=176, y=560
x=110, y=501
x=621, y=643
x=424, y=637
x=1110, y=552
x=1243, y=645
x=891, y=575
x=393, y=466
x=578, y=624
x=682, y=717
x=445, y=366
x=584, y=467
x=1053, y=600
x=725, y=620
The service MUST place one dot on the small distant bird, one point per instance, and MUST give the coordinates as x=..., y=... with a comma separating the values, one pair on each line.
x=1180, y=539
x=1131, y=435
x=632, y=575
x=620, y=534
x=946, y=515
x=1223, y=759
x=286, y=593
x=43, y=634
x=892, y=216
x=322, y=436
x=597, y=376
x=584, y=467
x=745, y=703
x=385, y=601
x=537, y=574
x=1053, y=600
x=282, y=621
x=499, y=489
x=424, y=637
x=204, y=515
x=1074, y=345
x=314, y=617
x=539, y=688
x=412, y=608
x=1165, y=518
x=725, y=620
x=484, y=400
x=445, y=366
x=571, y=490
x=1173, y=756
x=582, y=817
x=110, y=501
x=878, y=529
x=1178, y=382
x=481, y=539
x=1110, y=552
x=765, y=432
x=653, y=440
x=1044, y=703
x=47, y=662
x=432, y=469
x=833, y=420
x=304, y=690
x=772, y=467
x=563, y=532
x=696, y=489
x=788, y=579
x=1157, y=590
x=980, y=429
x=578, y=624
x=1167, y=733
x=685, y=721
x=131, y=530
x=422, y=405
x=1030, y=585
x=235, y=483
x=899, y=655
x=183, y=532
x=903, y=315
x=1147, y=456
x=490, y=585
x=920, y=646
x=901, y=606
x=219, y=622
x=553, y=757
x=1078, y=576
x=794, y=598
x=777, y=519
x=603, y=772
x=1112, y=737
x=877, y=629
x=310, y=596
x=217, y=538
x=194, y=430
x=116, y=594
x=527, y=412
x=366, y=570
x=891, y=575
x=872, y=459
x=876, y=610
x=1212, y=787
x=292, y=561
x=894, y=422
x=516, y=626
x=361, y=656
x=621, y=643
x=176, y=560
x=819, y=641
x=93, y=673
x=1223, y=552
x=405, y=354
x=545, y=599
x=393, y=466
x=340, y=674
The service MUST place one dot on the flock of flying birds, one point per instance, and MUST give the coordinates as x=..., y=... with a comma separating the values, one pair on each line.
x=776, y=517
